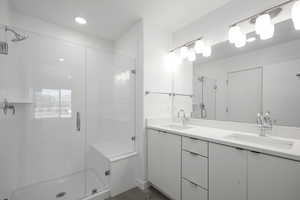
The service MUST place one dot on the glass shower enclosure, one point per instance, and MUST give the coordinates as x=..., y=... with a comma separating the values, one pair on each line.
x=67, y=97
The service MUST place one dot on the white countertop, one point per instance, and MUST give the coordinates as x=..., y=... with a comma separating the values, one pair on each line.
x=216, y=135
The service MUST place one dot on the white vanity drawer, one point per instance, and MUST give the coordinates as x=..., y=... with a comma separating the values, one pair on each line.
x=195, y=168
x=196, y=146
x=191, y=191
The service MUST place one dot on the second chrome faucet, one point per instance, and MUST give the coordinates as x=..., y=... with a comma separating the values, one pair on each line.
x=264, y=122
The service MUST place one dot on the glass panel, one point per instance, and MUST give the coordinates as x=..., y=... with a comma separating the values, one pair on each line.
x=110, y=102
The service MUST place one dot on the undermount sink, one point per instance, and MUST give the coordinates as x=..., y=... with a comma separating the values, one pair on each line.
x=178, y=126
x=265, y=141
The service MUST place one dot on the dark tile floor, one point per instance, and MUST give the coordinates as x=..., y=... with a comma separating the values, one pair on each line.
x=137, y=194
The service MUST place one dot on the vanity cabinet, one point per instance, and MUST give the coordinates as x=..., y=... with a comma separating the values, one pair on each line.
x=191, y=169
x=237, y=174
x=272, y=178
x=164, y=162
x=227, y=173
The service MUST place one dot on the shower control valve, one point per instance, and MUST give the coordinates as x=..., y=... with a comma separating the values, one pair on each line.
x=8, y=106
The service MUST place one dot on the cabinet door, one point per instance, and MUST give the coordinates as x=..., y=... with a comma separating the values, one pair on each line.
x=272, y=178
x=171, y=165
x=227, y=173
x=154, y=157
x=164, y=162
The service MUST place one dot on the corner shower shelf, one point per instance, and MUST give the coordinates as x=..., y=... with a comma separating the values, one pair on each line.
x=20, y=100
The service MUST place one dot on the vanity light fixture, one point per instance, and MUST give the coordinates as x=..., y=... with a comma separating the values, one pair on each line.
x=296, y=15
x=61, y=59
x=80, y=20
x=264, y=26
x=188, y=51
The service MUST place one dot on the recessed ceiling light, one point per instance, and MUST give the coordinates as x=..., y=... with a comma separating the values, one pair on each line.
x=80, y=20
x=61, y=60
x=251, y=39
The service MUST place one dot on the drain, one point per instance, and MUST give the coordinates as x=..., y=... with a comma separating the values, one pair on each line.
x=94, y=191
x=61, y=194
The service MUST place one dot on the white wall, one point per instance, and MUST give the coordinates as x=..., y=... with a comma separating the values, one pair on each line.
x=4, y=12
x=157, y=74
x=149, y=45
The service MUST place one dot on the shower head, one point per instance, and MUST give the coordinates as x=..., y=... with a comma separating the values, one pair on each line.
x=17, y=37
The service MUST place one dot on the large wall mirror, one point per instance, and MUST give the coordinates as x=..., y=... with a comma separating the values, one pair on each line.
x=235, y=84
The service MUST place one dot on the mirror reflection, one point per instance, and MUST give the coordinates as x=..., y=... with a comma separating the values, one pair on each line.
x=235, y=84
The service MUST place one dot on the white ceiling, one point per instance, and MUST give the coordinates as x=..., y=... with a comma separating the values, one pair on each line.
x=110, y=18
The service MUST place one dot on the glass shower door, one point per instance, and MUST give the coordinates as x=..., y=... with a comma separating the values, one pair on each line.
x=53, y=148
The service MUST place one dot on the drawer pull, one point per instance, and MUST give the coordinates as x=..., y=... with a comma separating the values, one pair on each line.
x=193, y=154
x=193, y=184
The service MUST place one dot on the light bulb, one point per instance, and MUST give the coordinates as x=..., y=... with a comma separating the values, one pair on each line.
x=80, y=20
x=184, y=52
x=199, y=46
x=233, y=33
x=264, y=27
x=261, y=22
x=296, y=15
x=240, y=40
x=207, y=51
x=268, y=32
x=191, y=56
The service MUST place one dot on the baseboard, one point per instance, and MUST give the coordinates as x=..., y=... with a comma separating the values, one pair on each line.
x=143, y=185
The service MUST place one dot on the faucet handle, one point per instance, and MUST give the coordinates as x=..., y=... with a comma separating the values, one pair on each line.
x=268, y=118
x=268, y=114
x=259, y=119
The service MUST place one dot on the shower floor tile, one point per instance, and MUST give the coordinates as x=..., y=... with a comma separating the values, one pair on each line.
x=137, y=194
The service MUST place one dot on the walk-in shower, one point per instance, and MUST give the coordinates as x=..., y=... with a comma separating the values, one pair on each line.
x=51, y=82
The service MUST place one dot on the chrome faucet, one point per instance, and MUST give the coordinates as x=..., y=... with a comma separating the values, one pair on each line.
x=182, y=116
x=264, y=122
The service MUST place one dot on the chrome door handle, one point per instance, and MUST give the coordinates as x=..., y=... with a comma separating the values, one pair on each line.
x=78, y=121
